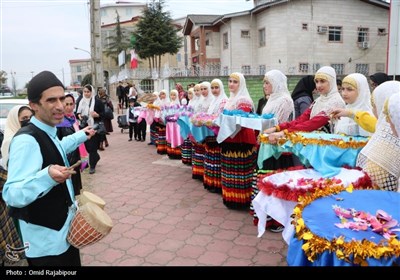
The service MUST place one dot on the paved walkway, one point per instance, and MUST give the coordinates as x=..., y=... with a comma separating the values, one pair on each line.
x=163, y=217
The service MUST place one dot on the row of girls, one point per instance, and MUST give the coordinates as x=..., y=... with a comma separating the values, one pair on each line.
x=354, y=112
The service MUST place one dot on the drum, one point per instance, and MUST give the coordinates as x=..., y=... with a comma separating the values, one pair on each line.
x=91, y=197
x=89, y=225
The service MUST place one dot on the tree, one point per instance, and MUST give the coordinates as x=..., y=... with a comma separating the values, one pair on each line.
x=156, y=35
x=3, y=77
x=117, y=42
x=87, y=80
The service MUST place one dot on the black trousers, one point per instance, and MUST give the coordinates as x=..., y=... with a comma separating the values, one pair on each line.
x=92, y=146
x=71, y=257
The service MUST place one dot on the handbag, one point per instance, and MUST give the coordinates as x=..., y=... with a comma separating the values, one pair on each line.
x=108, y=112
x=100, y=128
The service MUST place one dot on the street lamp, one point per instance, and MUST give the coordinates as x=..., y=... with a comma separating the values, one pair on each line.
x=92, y=66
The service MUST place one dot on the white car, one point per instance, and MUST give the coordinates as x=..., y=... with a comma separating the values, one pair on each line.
x=5, y=107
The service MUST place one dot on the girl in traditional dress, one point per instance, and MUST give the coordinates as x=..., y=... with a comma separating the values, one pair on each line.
x=238, y=154
x=380, y=158
x=317, y=116
x=356, y=94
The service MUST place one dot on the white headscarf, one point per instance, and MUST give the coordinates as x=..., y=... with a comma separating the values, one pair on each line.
x=383, y=92
x=241, y=96
x=362, y=103
x=196, y=98
x=325, y=104
x=176, y=101
x=393, y=108
x=280, y=102
x=162, y=102
x=11, y=127
x=205, y=101
x=86, y=105
x=216, y=106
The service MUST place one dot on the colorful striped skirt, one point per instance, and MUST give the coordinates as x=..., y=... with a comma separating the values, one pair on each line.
x=238, y=161
x=198, y=160
x=212, y=165
x=186, y=151
x=161, y=141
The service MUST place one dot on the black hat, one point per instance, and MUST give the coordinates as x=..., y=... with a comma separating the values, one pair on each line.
x=42, y=81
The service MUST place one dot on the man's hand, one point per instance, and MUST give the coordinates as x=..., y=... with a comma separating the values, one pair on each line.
x=89, y=131
x=60, y=173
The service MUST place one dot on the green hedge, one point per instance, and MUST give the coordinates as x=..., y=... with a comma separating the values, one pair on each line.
x=254, y=84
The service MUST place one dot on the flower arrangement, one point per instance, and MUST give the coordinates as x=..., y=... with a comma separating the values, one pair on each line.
x=381, y=222
x=360, y=250
x=203, y=119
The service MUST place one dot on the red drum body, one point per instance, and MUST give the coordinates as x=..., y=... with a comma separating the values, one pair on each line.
x=89, y=225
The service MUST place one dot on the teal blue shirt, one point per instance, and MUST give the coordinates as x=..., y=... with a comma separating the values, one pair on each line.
x=27, y=181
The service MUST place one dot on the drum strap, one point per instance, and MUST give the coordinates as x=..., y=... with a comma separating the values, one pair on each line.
x=50, y=210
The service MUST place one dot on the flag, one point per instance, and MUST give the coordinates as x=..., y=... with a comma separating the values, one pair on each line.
x=134, y=60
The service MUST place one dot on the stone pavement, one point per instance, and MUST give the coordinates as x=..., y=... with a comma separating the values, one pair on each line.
x=163, y=217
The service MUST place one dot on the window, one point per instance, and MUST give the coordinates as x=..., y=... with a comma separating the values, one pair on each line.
x=225, y=71
x=380, y=67
x=225, y=41
x=362, y=68
x=304, y=26
x=261, y=37
x=78, y=68
x=208, y=39
x=303, y=67
x=79, y=78
x=335, y=33
x=382, y=31
x=246, y=70
x=196, y=44
x=362, y=35
x=261, y=69
x=245, y=34
x=315, y=67
x=339, y=68
x=178, y=57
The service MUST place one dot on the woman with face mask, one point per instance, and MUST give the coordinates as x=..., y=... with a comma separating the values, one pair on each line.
x=18, y=117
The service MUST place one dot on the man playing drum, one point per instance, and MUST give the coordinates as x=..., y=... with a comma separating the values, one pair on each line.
x=39, y=190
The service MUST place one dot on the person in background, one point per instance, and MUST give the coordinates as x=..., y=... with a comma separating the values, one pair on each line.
x=103, y=96
x=39, y=190
x=262, y=102
x=69, y=126
x=92, y=109
x=132, y=118
x=303, y=94
x=182, y=94
x=377, y=79
x=120, y=95
x=339, y=85
x=18, y=117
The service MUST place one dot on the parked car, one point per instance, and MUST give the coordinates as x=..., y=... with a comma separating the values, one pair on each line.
x=5, y=107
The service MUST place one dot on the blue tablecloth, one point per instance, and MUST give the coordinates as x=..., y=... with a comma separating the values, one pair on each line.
x=326, y=159
x=198, y=132
x=320, y=219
